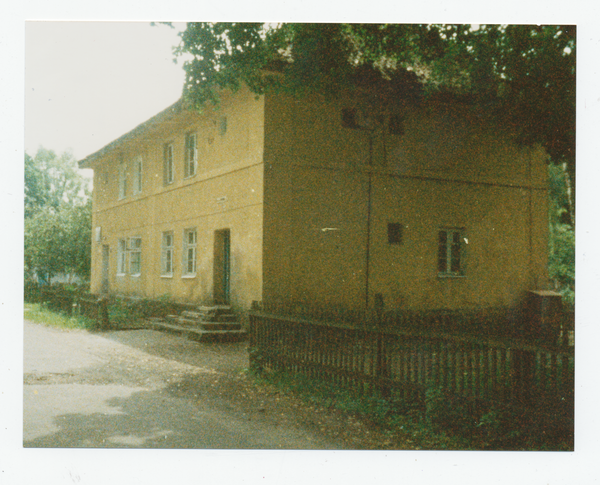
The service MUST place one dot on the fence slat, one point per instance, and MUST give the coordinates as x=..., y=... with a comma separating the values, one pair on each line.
x=405, y=365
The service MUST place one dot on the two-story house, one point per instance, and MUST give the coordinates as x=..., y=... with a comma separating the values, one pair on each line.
x=329, y=201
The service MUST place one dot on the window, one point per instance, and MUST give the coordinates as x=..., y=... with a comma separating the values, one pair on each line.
x=121, y=256
x=135, y=255
x=394, y=233
x=191, y=155
x=122, y=180
x=167, y=254
x=169, y=169
x=396, y=125
x=349, y=118
x=137, y=175
x=223, y=125
x=190, y=238
x=450, y=252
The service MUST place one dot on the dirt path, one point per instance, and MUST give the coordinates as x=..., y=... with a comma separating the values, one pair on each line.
x=148, y=389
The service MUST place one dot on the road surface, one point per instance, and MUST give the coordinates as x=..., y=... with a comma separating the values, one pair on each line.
x=147, y=389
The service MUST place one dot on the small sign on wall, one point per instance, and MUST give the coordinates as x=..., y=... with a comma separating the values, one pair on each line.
x=98, y=234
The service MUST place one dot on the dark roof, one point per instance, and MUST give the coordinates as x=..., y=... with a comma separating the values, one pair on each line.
x=161, y=117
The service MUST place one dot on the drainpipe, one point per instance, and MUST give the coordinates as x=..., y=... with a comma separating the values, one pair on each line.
x=369, y=207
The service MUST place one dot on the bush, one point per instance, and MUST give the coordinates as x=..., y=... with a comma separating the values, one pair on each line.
x=32, y=292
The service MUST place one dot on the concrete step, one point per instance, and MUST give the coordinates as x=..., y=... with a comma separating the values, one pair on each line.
x=209, y=317
x=220, y=325
x=199, y=334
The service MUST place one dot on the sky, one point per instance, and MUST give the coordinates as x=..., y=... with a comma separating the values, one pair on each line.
x=87, y=83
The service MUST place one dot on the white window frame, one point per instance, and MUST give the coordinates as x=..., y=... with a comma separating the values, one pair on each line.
x=451, y=252
x=168, y=164
x=121, y=257
x=135, y=256
x=167, y=251
x=190, y=252
x=122, y=180
x=138, y=170
x=191, y=155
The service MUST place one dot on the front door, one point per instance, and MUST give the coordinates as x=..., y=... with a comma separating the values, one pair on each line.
x=222, y=267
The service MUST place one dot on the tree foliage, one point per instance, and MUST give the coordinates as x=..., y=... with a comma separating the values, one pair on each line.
x=57, y=216
x=521, y=75
x=59, y=242
x=52, y=180
x=561, y=261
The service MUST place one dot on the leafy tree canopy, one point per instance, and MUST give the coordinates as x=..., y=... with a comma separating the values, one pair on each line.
x=52, y=181
x=57, y=216
x=59, y=241
x=521, y=75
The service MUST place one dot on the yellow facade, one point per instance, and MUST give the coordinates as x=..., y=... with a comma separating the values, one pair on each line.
x=315, y=210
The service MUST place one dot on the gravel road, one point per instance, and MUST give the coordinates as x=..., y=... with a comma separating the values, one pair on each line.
x=148, y=389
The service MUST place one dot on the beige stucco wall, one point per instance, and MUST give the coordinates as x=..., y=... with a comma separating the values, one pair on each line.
x=225, y=193
x=446, y=170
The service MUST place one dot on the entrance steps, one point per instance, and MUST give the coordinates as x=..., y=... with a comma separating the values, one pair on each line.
x=205, y=324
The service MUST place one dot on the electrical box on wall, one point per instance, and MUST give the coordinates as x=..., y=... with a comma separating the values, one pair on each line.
x=98, y=234
x=543, y=313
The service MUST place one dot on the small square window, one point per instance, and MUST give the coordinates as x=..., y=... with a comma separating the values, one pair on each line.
x=396, y=125
x=349, y=118
x=394, y=233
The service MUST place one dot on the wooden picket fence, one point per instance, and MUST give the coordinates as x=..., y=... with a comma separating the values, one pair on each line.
x=405, y=364
x=91, y=306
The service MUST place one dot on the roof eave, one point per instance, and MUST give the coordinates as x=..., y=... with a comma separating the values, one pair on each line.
x=164, y=115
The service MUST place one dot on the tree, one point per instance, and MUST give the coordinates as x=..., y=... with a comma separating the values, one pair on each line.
x=52, y=181
x=561, y=261
x=522, y=76
x=59, y=241
x=57, y=216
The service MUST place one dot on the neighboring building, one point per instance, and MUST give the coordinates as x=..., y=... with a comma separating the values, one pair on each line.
x=325, y=201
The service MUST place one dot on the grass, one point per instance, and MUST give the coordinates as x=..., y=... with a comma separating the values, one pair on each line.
x=439, y=423
x=36, y=312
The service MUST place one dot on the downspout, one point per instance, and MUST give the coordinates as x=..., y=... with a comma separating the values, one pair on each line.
x=532, y=277
x=368, y=247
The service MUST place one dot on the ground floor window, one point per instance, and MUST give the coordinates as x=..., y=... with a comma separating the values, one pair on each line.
x=190, y=239
x=451, y=252
x=167, y=254
x=121, y=256
x=135, y=256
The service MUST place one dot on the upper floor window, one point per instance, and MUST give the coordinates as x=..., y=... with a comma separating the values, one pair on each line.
x=167, y=254
x=135, y=256
x=394, y=233
x=122, y=180
x=190, y=239
x=191, y=155
x=451, y=252
x=137, y=175
x=168, y=165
